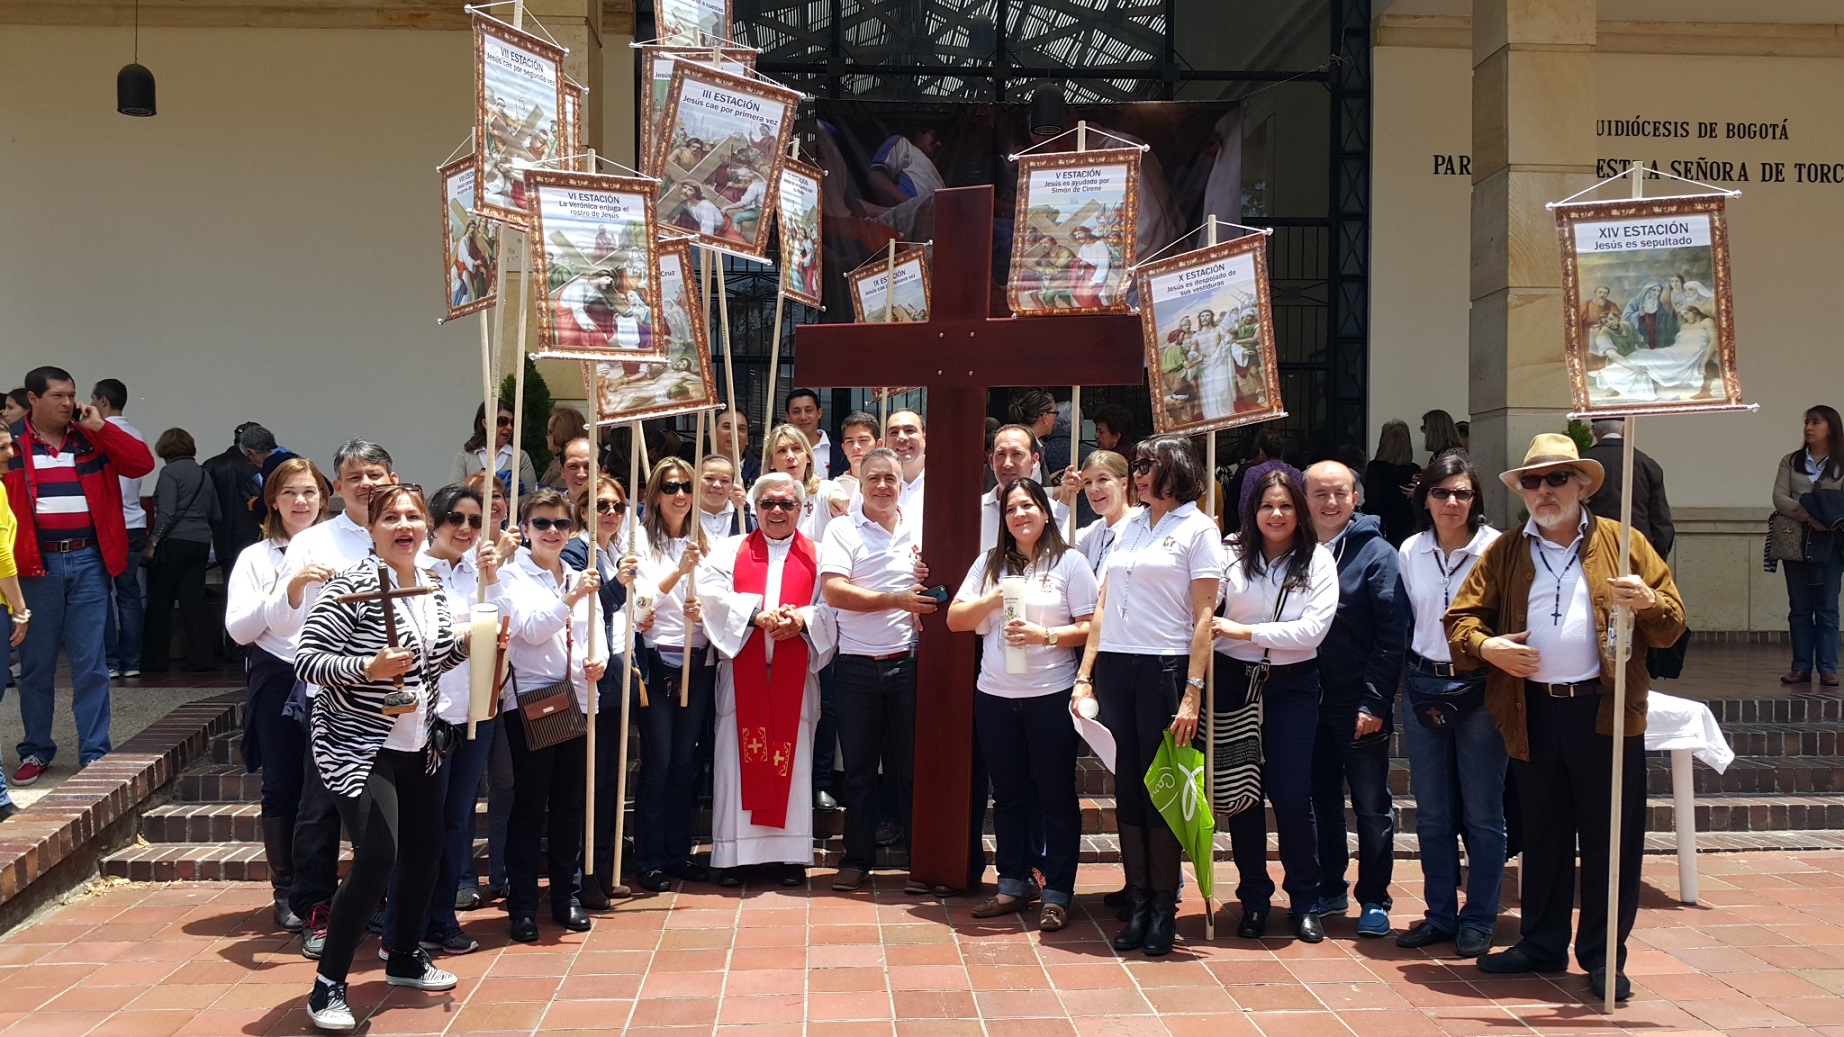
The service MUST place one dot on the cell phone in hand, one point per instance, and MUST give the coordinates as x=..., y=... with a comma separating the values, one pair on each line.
x=938, y=593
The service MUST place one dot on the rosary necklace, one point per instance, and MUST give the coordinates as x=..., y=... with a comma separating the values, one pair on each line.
x=1556, y=609
x=1447, y=574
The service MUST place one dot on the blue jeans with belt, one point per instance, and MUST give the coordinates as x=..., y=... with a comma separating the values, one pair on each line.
x=1459, y=778
x=1812, y=613
x=1289, y=725
x=1362, y=767
x=67, y=604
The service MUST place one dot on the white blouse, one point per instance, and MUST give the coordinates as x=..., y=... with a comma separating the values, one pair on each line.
x=1432, y=578
x=1098, y=539
x=1305, y=616
x=1148, y=580
x=537, y=647
x=667, y=634
x=1053, y=598
x=253, y=581
x=816, y=511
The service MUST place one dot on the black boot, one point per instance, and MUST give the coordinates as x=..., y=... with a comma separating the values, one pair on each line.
x=1162, y=926
x=1139, y=921
x=279, y=851
x=1139, y=895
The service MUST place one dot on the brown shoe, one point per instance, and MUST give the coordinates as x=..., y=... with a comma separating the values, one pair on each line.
x=993, y=907
x=1053, y=918
x=1795, y=677
x=847, y=880
x=1829, y=680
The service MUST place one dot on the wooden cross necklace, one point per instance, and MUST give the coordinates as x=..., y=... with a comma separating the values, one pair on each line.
x=397, y=701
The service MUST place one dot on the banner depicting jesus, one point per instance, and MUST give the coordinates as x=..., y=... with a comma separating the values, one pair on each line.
x=763, y=614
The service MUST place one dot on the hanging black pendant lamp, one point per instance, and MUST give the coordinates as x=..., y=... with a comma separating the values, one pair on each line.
x=134, y=84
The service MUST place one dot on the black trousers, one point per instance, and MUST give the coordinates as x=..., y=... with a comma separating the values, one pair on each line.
x=877, y=725
x=1564, y=789
x=398, y=822
x=543, y=780
x=1139, y=696
x=1030, y=748
x=317, y=842
x=273, y=743
x=178, y=573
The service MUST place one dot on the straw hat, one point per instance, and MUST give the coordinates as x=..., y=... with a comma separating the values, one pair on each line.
x=1550, y=449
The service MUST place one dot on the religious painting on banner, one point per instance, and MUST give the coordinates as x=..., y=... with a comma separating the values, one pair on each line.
x=656, y=64
x=518, y=114
x=798, y=199
x=692, y=21
x=632, y=390
x=871, y=299
x=593, y=257
x=1209, y=333
x=1073, y=234
x=470, y=244
x=720, y=152
x=1645, y=286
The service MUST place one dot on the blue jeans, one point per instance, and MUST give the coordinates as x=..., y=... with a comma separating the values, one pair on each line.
x=1363, y=767
x=1812, y=614
x=1289, y=724
x=669, y=738
x=68, y=604
x=121, y=627
x=1459, y=777
x=459, y=779
x=1030, y=747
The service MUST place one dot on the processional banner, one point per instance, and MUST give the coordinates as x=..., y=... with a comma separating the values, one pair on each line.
x=872, y=299
x=656, y=65
x=1650, y=328
x=1209, y=332
x=593, y=258
x=692, y=21
x=518, y=114
x=575, y=112
x=798, y=202
x=1073, y=232
x=719, y=154
x=470, y=245
x=683, y=383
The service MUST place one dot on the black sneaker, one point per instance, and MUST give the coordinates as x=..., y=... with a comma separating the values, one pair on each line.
x=326, y=1007
x=888, y=832
x=375, y=924
x=314, y=933
x=467, y=898
x=417, y=970
x=454, y=941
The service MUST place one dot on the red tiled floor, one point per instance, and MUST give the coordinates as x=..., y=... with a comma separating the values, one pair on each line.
x=198, y=958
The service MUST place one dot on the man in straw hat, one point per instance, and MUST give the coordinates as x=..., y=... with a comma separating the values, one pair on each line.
x=1538, y=610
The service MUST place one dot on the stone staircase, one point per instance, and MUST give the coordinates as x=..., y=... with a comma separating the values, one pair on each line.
x=1785, y=790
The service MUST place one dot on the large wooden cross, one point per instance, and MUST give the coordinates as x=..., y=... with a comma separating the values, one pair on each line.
x=959, y=353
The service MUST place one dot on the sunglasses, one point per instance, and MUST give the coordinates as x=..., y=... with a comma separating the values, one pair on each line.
x=505, y=421
x=673, y=489
x=455, y=518
x=1142, y=465
x=545, y=525
x=777, y=505
x=611, y=507
x=1463, y=496
x=1531, y=482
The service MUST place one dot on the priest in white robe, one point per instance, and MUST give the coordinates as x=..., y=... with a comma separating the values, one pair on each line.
x=764, y=615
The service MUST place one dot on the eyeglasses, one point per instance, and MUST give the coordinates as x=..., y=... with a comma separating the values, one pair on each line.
x=611, y=507
x=1142, y=465
x=1531, y=482
x=673, y=489
x=505, y=421
x=455, y=518
x=777, y=505
x=1463, y=496
x=545, y=525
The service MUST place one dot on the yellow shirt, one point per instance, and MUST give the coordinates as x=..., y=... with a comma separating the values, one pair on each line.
x=7, y=530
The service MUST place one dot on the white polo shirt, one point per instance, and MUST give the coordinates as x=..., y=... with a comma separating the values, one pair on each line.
x=1097, y=540
x=667, y=634
x=1431, y=578
x=1148, y=579
x=538, y=648
x=990, y=516
x=1305, y=616
x=338, y=542
x=871, y=557
x=1053, y=598
x=1566, y=642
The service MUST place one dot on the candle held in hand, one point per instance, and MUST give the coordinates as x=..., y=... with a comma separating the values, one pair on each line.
x=1011, y=593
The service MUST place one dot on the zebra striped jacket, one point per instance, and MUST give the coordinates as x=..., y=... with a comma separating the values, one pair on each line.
x=347, y=725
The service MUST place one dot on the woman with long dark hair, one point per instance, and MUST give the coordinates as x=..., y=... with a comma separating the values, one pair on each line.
x=1280, y=592
x=1457, y=758
x=1021, y=713
x=296, y=497
x=476, y=455
x=1812, y=585
x=1387, y=479
x=1144, y=663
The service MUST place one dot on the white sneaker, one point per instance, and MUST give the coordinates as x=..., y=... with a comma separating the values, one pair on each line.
x=326, y=1007
x=418, y=972
x=131, y=672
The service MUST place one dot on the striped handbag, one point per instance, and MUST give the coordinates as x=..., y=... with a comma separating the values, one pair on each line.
x=1237, y=733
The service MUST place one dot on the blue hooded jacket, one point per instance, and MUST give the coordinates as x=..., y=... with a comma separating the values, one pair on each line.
x=1360, y=662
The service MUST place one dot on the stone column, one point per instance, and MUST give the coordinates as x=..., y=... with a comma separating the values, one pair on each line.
x=1533, y=142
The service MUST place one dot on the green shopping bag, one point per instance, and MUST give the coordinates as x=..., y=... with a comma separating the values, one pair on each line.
x=1175, y=781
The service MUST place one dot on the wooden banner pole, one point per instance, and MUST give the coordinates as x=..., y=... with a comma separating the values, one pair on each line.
x=1075, y=398
x=595, y=480
x=693, y=519
x=723, y=310
x=627, y=670
x=487, y=407
x=774, y=349
x=1210, y=665
x=518, y=384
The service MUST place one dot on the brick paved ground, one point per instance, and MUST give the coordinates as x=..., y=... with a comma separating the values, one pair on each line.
x=1763, y=954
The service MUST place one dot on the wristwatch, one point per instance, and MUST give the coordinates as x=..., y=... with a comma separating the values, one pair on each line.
x=1195, y=682
x=1049, y=638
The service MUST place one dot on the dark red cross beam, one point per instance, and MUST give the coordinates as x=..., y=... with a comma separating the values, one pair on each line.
x=957, y=355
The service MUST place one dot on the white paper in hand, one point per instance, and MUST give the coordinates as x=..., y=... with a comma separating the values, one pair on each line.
x=1098, y=737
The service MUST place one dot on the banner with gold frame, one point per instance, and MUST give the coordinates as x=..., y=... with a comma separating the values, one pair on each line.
x=656, y=64
x=798, y=202
x=719, y=156
x=1208, y=326
x=575, y=118
x=593, y=257
x=1074, y=228
x=692, y=22
x=684, y=382
x=518, y=114
x=1649, y=322
x=869, y=284
x=470, y=245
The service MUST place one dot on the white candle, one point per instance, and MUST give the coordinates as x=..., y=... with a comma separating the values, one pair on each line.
x=1011, y=592
x=483, y=652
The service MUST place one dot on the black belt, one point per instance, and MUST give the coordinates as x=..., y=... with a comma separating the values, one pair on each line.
x=1579, y=689
x=1429, y=666
x=1285, y=670
x=66, y=546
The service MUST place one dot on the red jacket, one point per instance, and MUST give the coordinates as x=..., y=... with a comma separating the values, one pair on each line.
x=104, y=458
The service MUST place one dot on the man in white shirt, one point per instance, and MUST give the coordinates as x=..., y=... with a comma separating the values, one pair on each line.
x=804, y=414
x=121, y=624
x=1015, y=455
x=906, y=437
x=315, y=556
x=730, y=437
x=871, y=573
